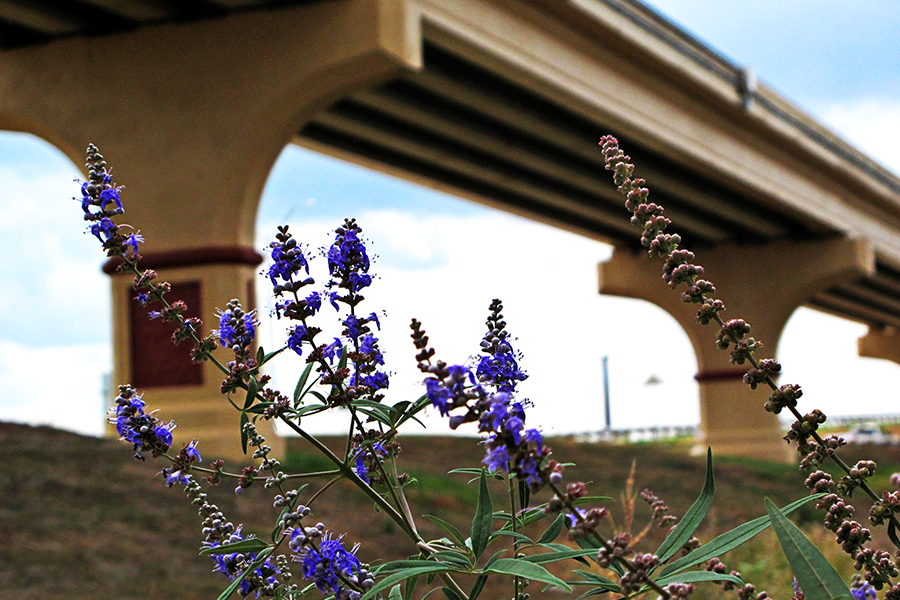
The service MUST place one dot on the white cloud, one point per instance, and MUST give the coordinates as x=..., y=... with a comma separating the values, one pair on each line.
x=871, y=124
x=61, y=386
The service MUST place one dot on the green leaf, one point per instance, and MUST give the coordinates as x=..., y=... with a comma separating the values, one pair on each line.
x=477, y=587
x=696, y=576
x=554, y=530
x=452, y=594
x=531, y=571
x=892, y=533
x=449, y=556
x=418, y=406
x=520, y=537
x=311, y=408
x=594, y=592
x=730, y=539
x=395, y=594
x=593, y=579
x=555, y=556
x=252, y=389
x=447, y=528
x=244, y=546
x=564, y=548
x=257, y=562
x=410, y=586
x=524, y=494
x=267, y=357
x=301, y=383
x=260, y=354
x=244, y=421
x=425, y=569
x=815, y=575
x=676, y=540
x=481, y=523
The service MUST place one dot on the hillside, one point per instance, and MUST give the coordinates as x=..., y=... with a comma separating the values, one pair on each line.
x=81, y=519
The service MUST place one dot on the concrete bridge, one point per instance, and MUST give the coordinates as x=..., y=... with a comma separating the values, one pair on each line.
x=498, y=101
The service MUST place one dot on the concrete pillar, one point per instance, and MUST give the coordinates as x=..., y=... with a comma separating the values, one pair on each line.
x=191, y=117
x=762, y=285
x=881, y=343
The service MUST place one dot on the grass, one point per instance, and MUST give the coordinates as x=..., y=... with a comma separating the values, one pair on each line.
x=80, y=519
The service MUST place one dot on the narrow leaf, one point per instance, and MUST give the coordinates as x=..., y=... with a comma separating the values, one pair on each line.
x=521, y=537
x=244, y=546
x=395, y=594
x=252, y=388
x=555, y=556
x=448, y=528
x=696, y=576
x=477, y=587
x=301, y=383
x=390, y=580
x=521, y=568
x=595, y=592
x=892, y=533
x=257, y=562
x=595, y=579
x=449, y=556
x=481, y=524
x=269, y=356
x=524, y=494
x=692, y=518
x=244, y=421
x=816, y=576
x=452, y=594
x=730, y=539
x=553, y=531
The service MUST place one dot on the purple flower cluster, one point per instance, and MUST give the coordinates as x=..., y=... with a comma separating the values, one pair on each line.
x=100, y=201
x=455, y=388
x=331, y=566
x=178, y=472
x=237, y=329
x=261, y=582
x=143, y=430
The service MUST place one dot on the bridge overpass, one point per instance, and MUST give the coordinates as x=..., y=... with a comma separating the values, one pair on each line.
x=498, y=101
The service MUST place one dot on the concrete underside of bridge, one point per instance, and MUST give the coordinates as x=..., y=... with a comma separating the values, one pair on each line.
x=499, y=101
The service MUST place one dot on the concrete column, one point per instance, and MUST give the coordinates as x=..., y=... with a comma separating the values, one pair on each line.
x=881, y=343
x=762, y=285
x=191, y=117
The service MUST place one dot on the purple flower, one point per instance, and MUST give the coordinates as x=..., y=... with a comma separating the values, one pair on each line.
x=143, y=430
x=230, y=565
x=192, y=452
x=497, y=458
x=864, y=592
x=105, y=227
x=330, y=351
x=110, y=194
x=376, y=453
x=438, y=395
x=298, y=334
x=314, y=302
x=133, y=240
x=327, y=564
x=288, y=259
x=236, y=328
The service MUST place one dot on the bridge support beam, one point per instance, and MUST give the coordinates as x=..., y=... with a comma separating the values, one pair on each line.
x=881, y=343
x=192, y=117
x=762, y=285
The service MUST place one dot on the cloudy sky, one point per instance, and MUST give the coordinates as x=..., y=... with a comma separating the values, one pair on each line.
x=837, y=60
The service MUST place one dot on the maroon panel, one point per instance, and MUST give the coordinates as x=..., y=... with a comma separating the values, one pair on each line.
x=155, y=360
x=171, y=259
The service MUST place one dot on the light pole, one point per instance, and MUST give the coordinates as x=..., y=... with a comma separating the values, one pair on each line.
x=606, y=391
